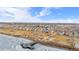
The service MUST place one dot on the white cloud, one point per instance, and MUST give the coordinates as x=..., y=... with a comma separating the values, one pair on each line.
x=44, y=12
x=22, y=15
x=63, y=21
x=47, y=11
x=19, y=14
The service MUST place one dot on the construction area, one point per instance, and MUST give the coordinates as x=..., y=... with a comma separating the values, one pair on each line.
x=62, y=35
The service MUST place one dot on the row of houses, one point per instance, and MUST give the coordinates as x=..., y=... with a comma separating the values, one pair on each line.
x=70, y=30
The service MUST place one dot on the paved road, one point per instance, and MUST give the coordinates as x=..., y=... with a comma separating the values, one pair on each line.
x=10, y=43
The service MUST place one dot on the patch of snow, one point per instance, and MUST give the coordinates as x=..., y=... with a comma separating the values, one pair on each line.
x=10, y=43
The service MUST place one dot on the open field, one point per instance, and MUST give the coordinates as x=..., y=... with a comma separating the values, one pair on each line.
x=62, y=35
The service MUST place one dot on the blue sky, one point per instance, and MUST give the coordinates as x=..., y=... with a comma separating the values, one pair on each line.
x=40, y=14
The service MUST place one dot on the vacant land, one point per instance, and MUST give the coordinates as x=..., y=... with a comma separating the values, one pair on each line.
x=60, y=35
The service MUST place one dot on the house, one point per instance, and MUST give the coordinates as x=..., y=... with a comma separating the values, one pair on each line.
x=74, y=33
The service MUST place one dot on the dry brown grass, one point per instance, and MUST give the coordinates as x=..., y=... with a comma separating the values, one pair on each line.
x=42, y=37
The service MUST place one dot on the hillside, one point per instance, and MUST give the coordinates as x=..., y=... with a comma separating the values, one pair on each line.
x=60, y=35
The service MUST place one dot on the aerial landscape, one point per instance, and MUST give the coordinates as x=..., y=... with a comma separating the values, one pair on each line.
x=62, y=35
x=35, y=29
